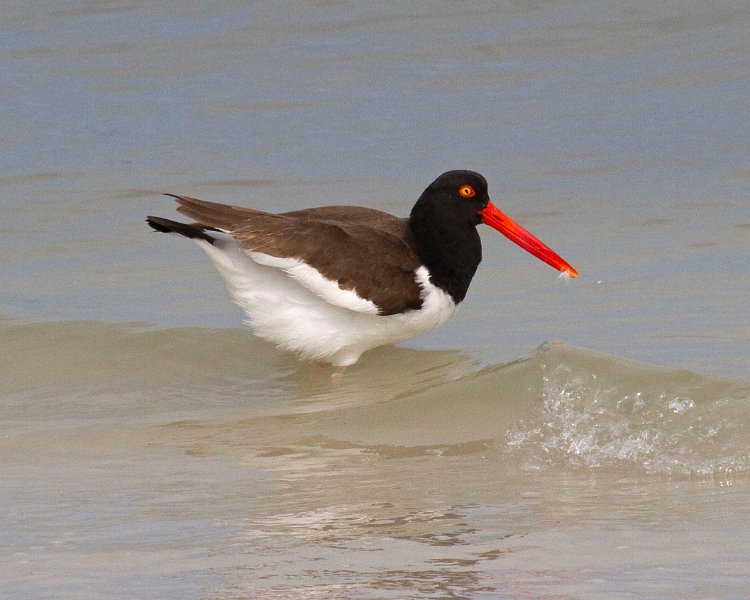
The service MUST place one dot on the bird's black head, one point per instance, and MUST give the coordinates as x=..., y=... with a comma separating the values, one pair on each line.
x=443, y=223
x=455, y=197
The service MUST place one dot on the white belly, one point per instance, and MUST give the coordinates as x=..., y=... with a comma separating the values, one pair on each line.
x=282, y=310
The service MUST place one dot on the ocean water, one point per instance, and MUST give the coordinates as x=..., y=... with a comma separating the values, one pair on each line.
x=556, y=439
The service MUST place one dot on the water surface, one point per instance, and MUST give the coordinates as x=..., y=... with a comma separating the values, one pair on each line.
x=555, y=439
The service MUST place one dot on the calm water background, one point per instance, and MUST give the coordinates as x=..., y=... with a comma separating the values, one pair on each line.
x=554, y=440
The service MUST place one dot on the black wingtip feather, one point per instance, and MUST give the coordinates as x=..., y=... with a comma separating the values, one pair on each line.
x=184, y=229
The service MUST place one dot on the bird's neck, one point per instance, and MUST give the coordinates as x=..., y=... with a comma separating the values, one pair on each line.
x=450, y=254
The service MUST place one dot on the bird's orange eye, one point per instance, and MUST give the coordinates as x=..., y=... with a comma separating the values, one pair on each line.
x=466, y=191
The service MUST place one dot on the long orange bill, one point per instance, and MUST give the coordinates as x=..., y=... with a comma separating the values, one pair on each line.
x=514, y=232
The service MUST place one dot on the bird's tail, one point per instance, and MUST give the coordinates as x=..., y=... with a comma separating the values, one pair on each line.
x=189, y=230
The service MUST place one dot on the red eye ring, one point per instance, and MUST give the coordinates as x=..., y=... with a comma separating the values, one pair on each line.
x=466, y=191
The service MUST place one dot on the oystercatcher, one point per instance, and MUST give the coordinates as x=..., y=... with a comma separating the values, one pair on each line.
x=333, y=282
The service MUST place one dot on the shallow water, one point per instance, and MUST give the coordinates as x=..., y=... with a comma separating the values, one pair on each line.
x=213, y=466
x=555, y=439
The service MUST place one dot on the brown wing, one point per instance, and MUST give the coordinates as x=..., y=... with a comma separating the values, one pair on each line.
x=364, y=250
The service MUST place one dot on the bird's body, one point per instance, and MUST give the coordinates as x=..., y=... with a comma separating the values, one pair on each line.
x=333, y=282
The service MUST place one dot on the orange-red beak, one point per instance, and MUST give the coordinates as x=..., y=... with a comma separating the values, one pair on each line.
x=514, y=232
